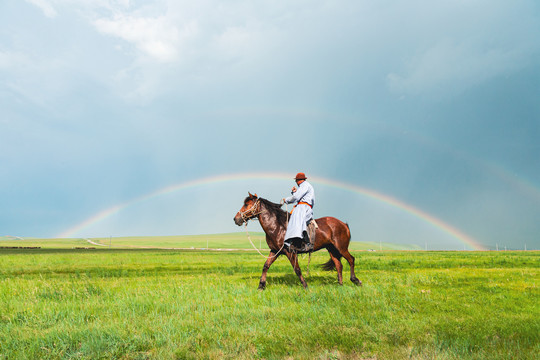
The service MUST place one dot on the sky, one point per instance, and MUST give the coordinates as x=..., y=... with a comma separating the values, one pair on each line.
x=431, y=106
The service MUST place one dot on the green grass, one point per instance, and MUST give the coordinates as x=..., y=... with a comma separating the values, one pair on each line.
x=172, y=304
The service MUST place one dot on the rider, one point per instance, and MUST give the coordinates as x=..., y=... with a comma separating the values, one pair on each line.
x=302, y=213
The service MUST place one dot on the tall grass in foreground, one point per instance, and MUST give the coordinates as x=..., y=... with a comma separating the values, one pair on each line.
x=136, y=304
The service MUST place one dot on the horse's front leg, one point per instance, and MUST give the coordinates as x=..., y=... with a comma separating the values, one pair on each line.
x=269, y=261
x=293, y=258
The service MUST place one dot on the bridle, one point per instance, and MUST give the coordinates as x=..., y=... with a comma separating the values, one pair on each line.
x=250, y=213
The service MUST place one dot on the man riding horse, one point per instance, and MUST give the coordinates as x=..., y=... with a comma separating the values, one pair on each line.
x=332, y=234
x=302, y=215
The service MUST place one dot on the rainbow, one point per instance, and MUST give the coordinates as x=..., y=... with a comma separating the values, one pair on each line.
x=433, y=221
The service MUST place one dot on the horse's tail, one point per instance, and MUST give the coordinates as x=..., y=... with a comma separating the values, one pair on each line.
x=330, y=265
x=348, y=231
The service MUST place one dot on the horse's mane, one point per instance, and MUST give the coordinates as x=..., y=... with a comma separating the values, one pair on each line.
x=276, y=209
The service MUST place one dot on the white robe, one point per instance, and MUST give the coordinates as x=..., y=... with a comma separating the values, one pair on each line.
x=301, y=213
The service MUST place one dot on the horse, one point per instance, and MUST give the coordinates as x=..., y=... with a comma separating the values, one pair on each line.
x=332, y=234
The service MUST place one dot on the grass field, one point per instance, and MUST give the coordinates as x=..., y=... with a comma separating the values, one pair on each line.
x=105, y=303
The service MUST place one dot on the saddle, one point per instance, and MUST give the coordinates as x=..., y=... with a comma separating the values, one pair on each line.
x=308, y=241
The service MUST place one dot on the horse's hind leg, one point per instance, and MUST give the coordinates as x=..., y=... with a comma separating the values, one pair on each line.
x=293, y=258
x=334, y=255
x=350, y=259
x=269, y=261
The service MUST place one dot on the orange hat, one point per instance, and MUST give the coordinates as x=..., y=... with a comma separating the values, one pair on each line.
x=300, y=176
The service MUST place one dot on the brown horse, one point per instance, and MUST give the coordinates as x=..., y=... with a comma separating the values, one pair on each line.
x=332, y=234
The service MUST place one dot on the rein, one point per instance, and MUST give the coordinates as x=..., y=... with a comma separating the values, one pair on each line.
x=267, y=257
x=252, y=212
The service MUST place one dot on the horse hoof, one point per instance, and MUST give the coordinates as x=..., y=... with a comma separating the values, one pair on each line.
x=262, y=286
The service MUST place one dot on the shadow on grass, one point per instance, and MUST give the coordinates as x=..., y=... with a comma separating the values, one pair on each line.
x=291, y=280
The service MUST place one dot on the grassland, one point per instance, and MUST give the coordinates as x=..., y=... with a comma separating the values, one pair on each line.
x=105, y=303
x=212, y=242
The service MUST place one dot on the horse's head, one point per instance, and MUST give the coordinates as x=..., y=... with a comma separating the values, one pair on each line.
x=249, y=210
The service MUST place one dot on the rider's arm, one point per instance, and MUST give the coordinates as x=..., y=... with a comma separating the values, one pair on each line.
x=297, y=195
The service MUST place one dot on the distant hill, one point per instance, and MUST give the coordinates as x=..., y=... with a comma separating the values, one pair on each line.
x=211, y=241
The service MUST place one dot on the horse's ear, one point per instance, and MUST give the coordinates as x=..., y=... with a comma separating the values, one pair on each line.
x=250, y=194
x=255, y=195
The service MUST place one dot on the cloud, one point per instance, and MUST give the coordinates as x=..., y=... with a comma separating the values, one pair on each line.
x=453, y=66
x=10, y=60
x=448, y=49
x=45, y=6
x=154, y=36
x=181, y=47
x=454, y=47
